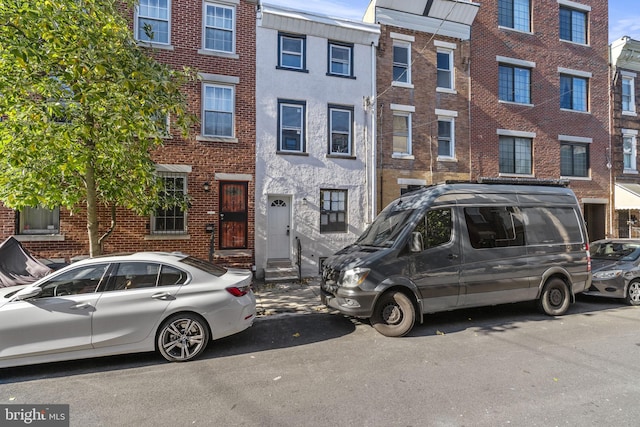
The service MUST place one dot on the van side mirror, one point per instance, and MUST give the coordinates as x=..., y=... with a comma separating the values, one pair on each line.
x=416, y=243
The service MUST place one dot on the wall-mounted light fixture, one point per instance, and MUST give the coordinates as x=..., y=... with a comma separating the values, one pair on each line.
x=206, y=186
x=304, y=201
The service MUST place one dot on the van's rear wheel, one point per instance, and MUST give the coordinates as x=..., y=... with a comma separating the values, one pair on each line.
x=555, y=298
x=394, y=314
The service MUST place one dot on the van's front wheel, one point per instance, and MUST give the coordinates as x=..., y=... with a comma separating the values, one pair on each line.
x=394, y=314
x=555, y=298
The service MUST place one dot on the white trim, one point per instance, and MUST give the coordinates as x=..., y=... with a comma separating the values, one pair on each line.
x=513, y=61
x=219, y=78
x=446, y=45
x=161, y=167
x=153, y=43
x=233, y=177
x=446, y=113
x=228, y=5
x=577, y=73
x=411, y=181
x=575, y=5
x=628, y=74
x=570, y=138
x=404, y=108
x=403, y=37
x=515, y=133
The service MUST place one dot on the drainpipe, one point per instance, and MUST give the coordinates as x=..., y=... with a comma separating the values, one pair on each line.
x=610, y=85
x=374, y=142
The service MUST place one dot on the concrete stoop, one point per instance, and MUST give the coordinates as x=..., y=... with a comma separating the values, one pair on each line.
x=280, y=270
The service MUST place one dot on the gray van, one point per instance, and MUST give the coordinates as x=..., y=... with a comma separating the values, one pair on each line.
x=460, y=245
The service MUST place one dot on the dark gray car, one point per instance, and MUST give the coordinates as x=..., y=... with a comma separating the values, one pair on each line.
x=616, y=269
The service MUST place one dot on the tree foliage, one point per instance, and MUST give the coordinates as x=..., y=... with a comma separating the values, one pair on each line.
x=82, y=108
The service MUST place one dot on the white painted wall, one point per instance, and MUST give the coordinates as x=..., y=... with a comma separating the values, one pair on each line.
x=302, y=177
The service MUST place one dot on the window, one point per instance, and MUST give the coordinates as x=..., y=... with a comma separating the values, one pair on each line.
x=629, y=150
x=515, y=14
x=573, y=25
x=515, y=155
x=401, y=133
x=436, y=228
x=574, y=159
x=81, y=280
x=340, y=130
x=628, y=94
x=446, y=145
x=573, y=92
x=514, y=84
x=494, y=226
x=39, y=221
x=134, y=275
x=219, y=27
x=340, y=60
x=291, y=49
x=171, y=217
x=153, y=21
x=401, y=62
x=333, y=211
x=291, y=130
x=445, y=69
x=218, y=108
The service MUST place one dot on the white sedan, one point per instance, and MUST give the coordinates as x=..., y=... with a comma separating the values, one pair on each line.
x=169, y=302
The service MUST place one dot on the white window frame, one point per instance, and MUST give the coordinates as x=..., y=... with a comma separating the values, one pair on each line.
x=402, y=41
x=137, y=27
x=405, y=111
x=630, y=152
x=450, y=117
x=349, y=133
x=516, y=27
x=214, y=4
x=172, y=171
x=217, y=109
x=301, y=54
x=628, y=78
x=332, y=60
x=281, y=128
x=450, y=70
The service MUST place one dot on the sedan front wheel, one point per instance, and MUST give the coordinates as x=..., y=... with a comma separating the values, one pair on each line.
x=182, y=337
x=633, y=293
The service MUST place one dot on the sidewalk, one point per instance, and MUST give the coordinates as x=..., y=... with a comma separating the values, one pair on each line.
x=288, y=298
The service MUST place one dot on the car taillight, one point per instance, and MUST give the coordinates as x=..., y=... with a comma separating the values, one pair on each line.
x=586, y=246
x=238, y=292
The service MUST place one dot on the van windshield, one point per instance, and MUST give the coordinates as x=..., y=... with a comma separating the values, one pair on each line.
x=385, y=229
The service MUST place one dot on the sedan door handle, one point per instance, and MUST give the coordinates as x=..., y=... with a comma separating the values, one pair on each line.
x=81, y=306
x=162, y=296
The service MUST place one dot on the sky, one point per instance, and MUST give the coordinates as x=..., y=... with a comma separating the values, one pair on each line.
x=624, y=15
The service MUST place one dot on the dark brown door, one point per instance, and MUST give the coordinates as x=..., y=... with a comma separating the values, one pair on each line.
x=233, y=215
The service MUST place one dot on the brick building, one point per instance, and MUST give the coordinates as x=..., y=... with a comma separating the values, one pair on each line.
x=214, y=165
x=539, y=98
x=423, y=93
x=625, y=125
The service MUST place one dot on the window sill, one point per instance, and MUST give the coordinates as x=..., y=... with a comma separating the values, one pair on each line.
x=515, y=175
x=575, y=111
x=576, y=178
x=153, y=45
x=208, y=52
x=630, y=171
x=202, y=138
x=501, y=27
x=403, y=156
x=341, y=156
x=630, y=113
x=575, y=43
x=292, y=153
x=520, y=104
x=341, y=76
x=447, y=159
x=299, y=70
x=446, y=90
x=39, y=237
x=167, y=237
x=402, y=84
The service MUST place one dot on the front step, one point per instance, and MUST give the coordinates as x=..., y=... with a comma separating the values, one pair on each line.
x=280, y=270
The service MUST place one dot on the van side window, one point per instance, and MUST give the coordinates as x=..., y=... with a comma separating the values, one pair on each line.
x=494, y=226
x=435, y=228
x=548, y=225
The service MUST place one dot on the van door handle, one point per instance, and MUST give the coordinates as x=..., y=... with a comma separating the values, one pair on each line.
x=452, y=256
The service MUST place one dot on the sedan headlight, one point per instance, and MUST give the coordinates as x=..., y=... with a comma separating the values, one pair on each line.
x=607, y=274
x=353, y=278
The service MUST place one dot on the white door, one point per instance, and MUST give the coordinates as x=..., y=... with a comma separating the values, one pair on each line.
x=279, y=227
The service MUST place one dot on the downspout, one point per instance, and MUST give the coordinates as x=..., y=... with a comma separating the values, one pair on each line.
x=374, y=145
x=610, y=85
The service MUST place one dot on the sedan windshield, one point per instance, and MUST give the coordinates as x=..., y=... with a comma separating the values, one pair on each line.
x=385, y=229
x=616, y=251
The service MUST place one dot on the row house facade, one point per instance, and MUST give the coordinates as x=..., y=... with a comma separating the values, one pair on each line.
x=625, y=125
x=539, y=99
x=423, y=93
x=314, y=163
x=214, y=165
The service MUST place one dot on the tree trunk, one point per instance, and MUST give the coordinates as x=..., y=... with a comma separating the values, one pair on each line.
x=92, y=212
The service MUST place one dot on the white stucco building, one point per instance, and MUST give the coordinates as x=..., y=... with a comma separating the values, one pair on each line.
x=315, y=166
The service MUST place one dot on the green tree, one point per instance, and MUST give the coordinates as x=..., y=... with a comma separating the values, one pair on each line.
x=82, y=108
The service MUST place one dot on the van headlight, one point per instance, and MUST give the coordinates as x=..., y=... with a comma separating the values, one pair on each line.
x=353, y=278
x=607, y=274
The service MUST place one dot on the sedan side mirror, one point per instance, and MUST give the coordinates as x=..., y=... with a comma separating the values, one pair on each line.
x=28, y=292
